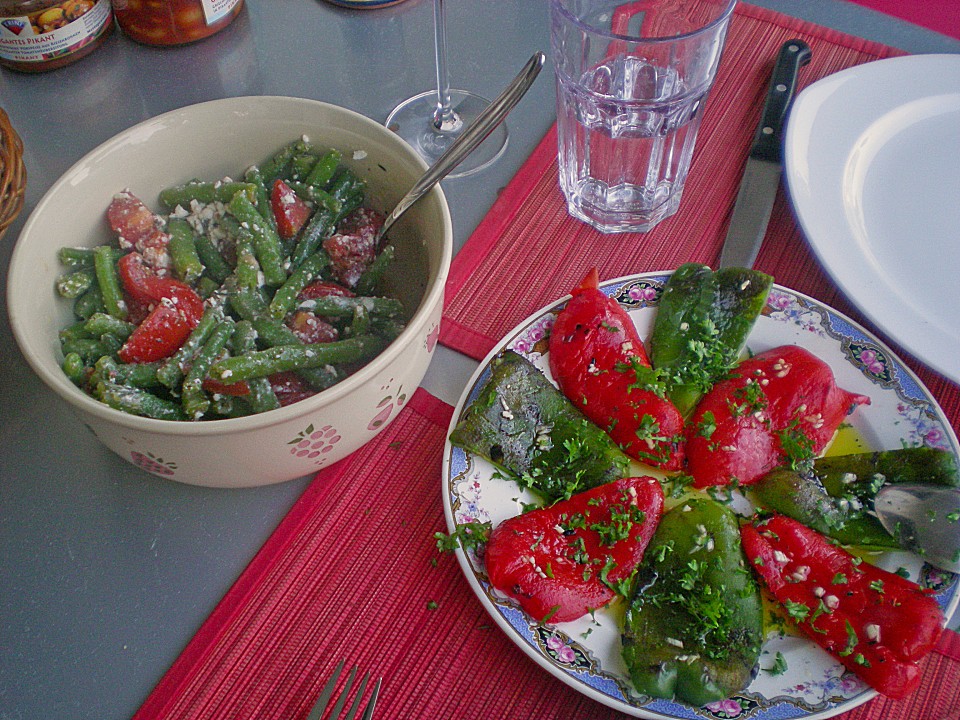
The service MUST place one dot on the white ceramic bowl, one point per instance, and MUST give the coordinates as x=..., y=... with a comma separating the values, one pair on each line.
x=208, y=141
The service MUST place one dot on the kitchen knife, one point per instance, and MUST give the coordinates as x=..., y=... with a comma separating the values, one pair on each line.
x=765, y=162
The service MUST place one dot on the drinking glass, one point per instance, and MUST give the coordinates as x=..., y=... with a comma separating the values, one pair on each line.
x=632, y=81
x=431, y=121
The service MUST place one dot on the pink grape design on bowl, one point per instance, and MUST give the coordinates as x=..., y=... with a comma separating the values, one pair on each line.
x=153, y=464
x=314, y=443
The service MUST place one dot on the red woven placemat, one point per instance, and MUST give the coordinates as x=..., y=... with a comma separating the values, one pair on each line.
x=528, y=251
x=352, y=573
x=943, y=16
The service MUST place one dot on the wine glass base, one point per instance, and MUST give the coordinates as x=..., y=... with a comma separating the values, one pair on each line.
x=412, y=120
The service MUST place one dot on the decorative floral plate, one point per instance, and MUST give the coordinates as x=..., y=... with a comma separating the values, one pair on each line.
x=585, y=653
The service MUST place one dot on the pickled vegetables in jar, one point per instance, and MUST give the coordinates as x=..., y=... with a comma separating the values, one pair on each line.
x=174, y=22
x=40, y=35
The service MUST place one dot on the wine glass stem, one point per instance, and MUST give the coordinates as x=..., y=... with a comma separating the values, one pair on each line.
x=444, y=117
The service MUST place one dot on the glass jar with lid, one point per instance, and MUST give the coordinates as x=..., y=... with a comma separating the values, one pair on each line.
x=174, y=22
x=39, y=35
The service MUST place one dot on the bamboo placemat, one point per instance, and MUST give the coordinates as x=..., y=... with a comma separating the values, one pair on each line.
x=352, y=573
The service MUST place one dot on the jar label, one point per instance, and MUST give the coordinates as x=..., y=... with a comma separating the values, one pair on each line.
x=53, y=32
x=213, y=10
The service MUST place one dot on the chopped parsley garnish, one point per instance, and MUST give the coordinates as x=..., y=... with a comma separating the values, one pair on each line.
x=797, y=446
x=779, y=666
x=798, y=611
x=469, y=535
x=852, y=640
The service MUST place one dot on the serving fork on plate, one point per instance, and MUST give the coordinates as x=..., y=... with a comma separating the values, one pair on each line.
x=327, y=694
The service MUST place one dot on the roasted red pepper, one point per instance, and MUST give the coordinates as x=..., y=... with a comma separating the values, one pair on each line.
x=176, y=311
x=562, y=561
x=289, y=210
x=781, y=406
x=878, y=624
x=600, y=364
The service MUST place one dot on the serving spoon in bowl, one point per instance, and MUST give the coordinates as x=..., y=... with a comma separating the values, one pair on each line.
x=468, y=141
x=924, y=519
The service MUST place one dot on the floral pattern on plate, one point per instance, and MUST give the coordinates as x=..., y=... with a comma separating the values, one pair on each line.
x=585, y=653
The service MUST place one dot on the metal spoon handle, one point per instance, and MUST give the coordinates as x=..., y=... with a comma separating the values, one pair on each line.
x=475, y=134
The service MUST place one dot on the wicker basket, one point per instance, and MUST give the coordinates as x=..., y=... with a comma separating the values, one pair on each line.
x=13, y=174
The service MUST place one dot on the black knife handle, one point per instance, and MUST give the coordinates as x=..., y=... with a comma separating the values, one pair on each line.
x=768, y=143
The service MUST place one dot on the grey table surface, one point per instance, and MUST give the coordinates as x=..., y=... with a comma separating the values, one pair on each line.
x=106, y=572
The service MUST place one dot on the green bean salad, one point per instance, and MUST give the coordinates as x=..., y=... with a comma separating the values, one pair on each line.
x=241, y=296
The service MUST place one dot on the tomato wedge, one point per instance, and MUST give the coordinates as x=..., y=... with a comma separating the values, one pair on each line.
x=290, y=387
x=324, y=288
x=289, y=210
x=600, y=364
x=176, y=311
x=137, y=227
x=562, y=561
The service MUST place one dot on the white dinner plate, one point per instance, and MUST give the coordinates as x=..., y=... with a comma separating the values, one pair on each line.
x=872, y=164
x=585, y=653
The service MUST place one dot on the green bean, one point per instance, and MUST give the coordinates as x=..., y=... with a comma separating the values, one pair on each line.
x=286, y=296
x=89, y=303
x=345, y=183
x=171, y=370
x=91, y=349
x=138, y=402
x=261, y=195
x=74, y=284
x=338, y=306
x=142, y=375
x=360, y=324
x=301, y=164
x=75, y=368
x=349, y=203
x=204, y=192
x=319, y=227
x=105, y=266
x=273, y=334
x=324, y=169
x=387, y=328
x=347, y=189
x=194, y=399
x=75, y=258
x=81, y=257
x=291, y=357
x=101, y=323
x=77, y=331
x=227, y=406
x=261, y=397
x=266, y=242
x=319, y=197
x=247, y=303
x=371, y=277
x=214, y=264
x=248, y=268
x=207, y=287
x=183, y=250
x=277, y=165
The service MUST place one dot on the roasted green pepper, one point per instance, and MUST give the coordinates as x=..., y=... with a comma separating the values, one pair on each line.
x=702, y=324
x=694, y=626
x=835, y=496
x=526, y=427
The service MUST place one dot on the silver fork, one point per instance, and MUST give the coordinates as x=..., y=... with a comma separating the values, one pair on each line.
x=317, y=712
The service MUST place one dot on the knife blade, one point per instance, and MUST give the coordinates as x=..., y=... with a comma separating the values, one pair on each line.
x=761, y=177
